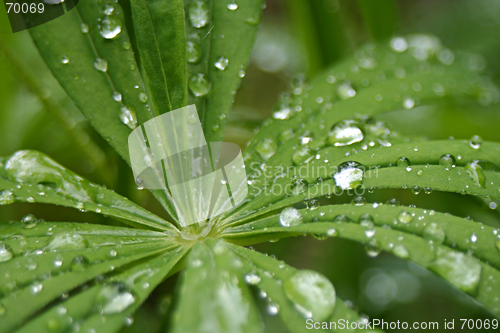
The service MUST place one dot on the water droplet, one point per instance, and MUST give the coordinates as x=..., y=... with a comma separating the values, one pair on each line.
x=143, y=97
x=199, y=85
x=5, y=253
x=358, y=201
x=67, y=242
x=461, y=270
x=126, y=45
x=312, y=294
x=405, y=217
x=408, y=103
x=346, y=91
x=344, y=133
x=64, y=59
x=302, y=155
x=36, y=287
x=113, y=297
x=6, y=197
x=290, y=217
x=476, y=141
x=241, y=73
x=108, y=9
x=193, y=50
x=415, y=190
x=473, y=238
x=84, y=28
x=332, y=232
x=215, y=128
x=266, y=148
x=272, y=309
x=448, y=161
x=252, y=279
x=475, y=172
x=101, y=65
x=433, y=232
x=110, y=26
x=128, y=117
x=349, y=175
x=117, y=96
x=198, y=14
x=399, y=44
x=313, y=204
x=401, y=251
x=403, y=162
x=373, y=248
x=299, y=186
x=232, y=6
x=221, y=63
x=393, y=202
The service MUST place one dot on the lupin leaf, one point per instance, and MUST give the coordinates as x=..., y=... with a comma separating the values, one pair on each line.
x=162, y=49
x=213, y=295
x=86, y=308
x=31, y=176
x=271, y=274
x=61, y=258
x=464, y=253
x=220, y=36
x=109, y=97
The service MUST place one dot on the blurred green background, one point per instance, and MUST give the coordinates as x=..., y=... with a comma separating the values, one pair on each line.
x=296, y=36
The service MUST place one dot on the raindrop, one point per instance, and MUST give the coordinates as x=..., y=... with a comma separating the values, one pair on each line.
x=475, y=172
x=476, y=141
x=84, y=28
x=403, y=162
x=312, y=294
x=221, y=63
x=266, y=148
x=101, y=65
x=346, y=91
x=415, y=190
x=290, y=217
x=64, y=59
x=405, y=217
x=143, y=97
x=313, y=204
x=433, y=232
x=252, y=279
x=36, y=287
x=232, y=6
x=198, y=14
x=272, y=309
x=193, y=51
x=401, y=251
x=408, y=103
x=373, y=248
x=302, y=155
x=358, y=201
x=448, y=161
x=110, y=27
x=5, y=253
x=117, y=96
x=128, y=117
x=349, y=175
x=461, y=270
x=344, y=133
x=399, y=44
x=113, y=298
x=199, y=85
x=6, y=197
x=393, y=202
x=241, y=73
x=66, y=242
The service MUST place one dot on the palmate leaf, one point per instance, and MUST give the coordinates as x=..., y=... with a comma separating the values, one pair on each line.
x=41, y=261
x=464, y=253
x=31, y=176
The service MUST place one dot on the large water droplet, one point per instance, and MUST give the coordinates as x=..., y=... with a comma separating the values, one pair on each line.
x=199, y=85
x=113, y=297
x=403, y=162
x=476, y=141
x=346, y=91
x=232, y=6
x=399, y=44
x=461, y=270
x=312, y=294
x=349, y=175
x=266, y=148
x=128, y=117
x=434, y=233
x=5, y=253
x=301, y=155
x=290, y=217
x=193, y=50
x=198, y=14
x=475, y=172
x=110, y=26
x=344, y=133
x=222, y=63
x=401, y=251
x=36, y=287
x=405, y=217
x=6, y=197
x=448, y=161
x=252, y=279
x=67, y=242
x=79, y=264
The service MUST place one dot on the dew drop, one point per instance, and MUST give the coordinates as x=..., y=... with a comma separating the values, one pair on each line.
x=344, y=133
x=272, y=309
x=110, y=27
x=433, y=232
x=101, y=65
x=448, y=161
x=199, y=85
x=312, y=294
x=399, y=44
x=108, y=9
x=193, y=52
x=405, y=217
x=36, y=287
x=5, y=253
x=143, y=97
x=403, y=162
x=84, y=28
x=6, y=197
x=64, y=59
x=358, y=201
x=475, y=172
x=232, y=6
x=290, y=217
x=128, y=117
x=266, y=148
x=401, y=251
x=415, y=190
x=349, y=175
x=313, y=204
x=222, y=63
x=252, y=279
x=408, y=103
x=301, y=155
x=299, y=186
x=476, y=141
x=198, y=14
x=241, y=73
x=67, y=242
x=113, y=297
x=346, y=91
x=117, y=96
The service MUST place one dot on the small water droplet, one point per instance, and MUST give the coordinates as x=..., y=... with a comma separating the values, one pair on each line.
x=198, y=14
x=266, y=148
x=346, y=91
x=403, y=162
x=5, y=253
x=290, y=217
x=252, y=279
x=36, y=287
x=222, y=63
x=128, y=117
x=199, y=85
x=110, y=26
x=193, y=50
x=272, y=309
x=241, y=73
x=448, y=161
x=405, y=217
x=302, y=155
x=113, y=297
x=476, y=141
x=84, y=28
x=358, y=201
x=232, y=6
x=401, y=251
x=415, y=190
x=126, y=45
x=408, y=103
x=399, y=44
x=6, y=197
x=313, y=204
x=143, y=97
x=101, y=65
x=117, y=96
x=64, y=59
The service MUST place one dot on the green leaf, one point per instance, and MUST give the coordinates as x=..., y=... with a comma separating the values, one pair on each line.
x=72, y=56
x=162, y=49
x=213, y=296
x=43, y=260
x=107, y=306
x=268, y=275
x=220, y=37
x=464, y=253
x=31, y=176
x=381, y=17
